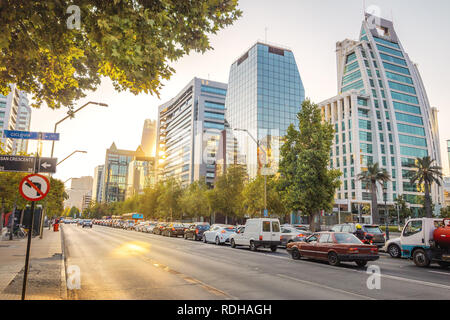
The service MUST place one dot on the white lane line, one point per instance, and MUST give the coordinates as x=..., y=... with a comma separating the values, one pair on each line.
x=446, y=273
x=425, y=283
x=314, y=284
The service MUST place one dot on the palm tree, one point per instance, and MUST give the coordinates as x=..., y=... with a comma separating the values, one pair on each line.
x=373, y=175
x=426, y=173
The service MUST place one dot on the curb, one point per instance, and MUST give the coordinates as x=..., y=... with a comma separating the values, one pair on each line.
x=63, y=268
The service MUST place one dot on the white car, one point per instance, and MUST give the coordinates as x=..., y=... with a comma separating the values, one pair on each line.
x=262, y=232
x=149, y=227
x=393, y=247
x=219, y=234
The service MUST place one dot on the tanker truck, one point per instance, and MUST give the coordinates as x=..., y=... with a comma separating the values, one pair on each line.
x=426, y=240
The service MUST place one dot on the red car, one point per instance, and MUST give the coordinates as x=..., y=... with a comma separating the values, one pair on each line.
x=334, y=247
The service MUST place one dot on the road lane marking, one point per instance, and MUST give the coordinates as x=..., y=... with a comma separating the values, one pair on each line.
x=440, y=272
x=314, y=284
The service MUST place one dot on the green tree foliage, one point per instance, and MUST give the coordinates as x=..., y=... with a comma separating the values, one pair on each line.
x=372, y=176
x=132, y=42
x=194, y=202
x=445, y=212
x=305, y=182
x=426, y=173
x=169, y=199
x=74, y=212
x=403, y=209
x=54, y=201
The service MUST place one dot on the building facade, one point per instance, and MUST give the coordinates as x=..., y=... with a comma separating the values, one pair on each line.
x=15, y=114
x=148, y=141
x=188, y=132
x=141, y=175
x=97, y=185
x=265, y=93
x=79, y=188
x=381, y=115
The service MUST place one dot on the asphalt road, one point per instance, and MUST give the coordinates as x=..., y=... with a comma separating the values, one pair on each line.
x=120, y=264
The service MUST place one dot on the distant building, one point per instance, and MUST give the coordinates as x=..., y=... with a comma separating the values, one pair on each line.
x=189, y=127
x=148, y=141
x=447, y=192
x=15, y=114
x=141, y=175
x=86, y=202
x=97, y=186
x=79, y=188
x=265, y=93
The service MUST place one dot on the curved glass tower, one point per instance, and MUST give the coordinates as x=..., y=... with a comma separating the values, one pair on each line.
x=382, y=114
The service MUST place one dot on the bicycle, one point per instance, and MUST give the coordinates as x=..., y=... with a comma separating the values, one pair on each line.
x=18, y=233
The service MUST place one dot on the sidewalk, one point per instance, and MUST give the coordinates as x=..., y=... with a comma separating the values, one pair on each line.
x=46, y=274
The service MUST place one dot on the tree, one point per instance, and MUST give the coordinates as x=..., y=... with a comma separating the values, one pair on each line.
x=194, y=201
x=445, y=212
x=54, y=201
x=48, y=54
x=426, y=173
x=403, y=209
x=74, y=212
x=372, y=176
x=168, y=200
x=305, y=182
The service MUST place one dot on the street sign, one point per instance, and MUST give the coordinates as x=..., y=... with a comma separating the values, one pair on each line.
x=15, y=134
x=26, y=164
x=34, y=187
x=266, y=213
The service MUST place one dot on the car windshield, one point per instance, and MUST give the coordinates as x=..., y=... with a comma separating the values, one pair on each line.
x=346, y=238
x=203, y=226
x=373, y=229
x=230, y=229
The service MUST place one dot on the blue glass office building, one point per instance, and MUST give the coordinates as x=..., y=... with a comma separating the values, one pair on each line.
x=265, y=93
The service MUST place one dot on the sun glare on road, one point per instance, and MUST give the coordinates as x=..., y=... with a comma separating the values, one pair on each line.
x=131, y=249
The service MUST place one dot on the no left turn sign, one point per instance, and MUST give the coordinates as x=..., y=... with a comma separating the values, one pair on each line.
x=34, y=187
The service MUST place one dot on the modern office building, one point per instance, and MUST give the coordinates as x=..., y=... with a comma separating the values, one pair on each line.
x=148, y=141
x=116, y=168
x=381, y=114
x=79, y=188
x=15, y=114
x=141, y=175
x=97, y=186
x=264, y=96
x=188, y=132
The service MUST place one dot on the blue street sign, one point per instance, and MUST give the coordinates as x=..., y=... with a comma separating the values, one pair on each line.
x=266, y=213
x=15, y=134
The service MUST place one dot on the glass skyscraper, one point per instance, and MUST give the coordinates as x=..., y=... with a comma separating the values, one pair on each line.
x=382, y=114
x=265, y=93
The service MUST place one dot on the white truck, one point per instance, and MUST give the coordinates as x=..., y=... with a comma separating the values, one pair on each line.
x=262, y=232
x=417, y=242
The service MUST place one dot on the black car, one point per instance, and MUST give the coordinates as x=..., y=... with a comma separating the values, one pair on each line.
x=173, y=230
x=159, y=228
x=195, y=231
x=371, y=232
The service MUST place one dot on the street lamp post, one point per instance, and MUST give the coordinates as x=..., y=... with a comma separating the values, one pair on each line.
x=386, y=214
x=265, y=154
x=71, y=155
x=71, y=116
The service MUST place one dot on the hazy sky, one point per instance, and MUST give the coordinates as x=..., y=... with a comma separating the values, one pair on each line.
x=310, y=28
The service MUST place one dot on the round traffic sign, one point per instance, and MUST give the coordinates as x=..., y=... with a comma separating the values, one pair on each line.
x=34, y=187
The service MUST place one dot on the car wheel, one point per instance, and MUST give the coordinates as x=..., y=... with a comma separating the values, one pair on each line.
x=204, y=239
x=444, y=264
x=420, y=258
x=253, y=246
x=217, y=241
x=185, y=236
x=333, y=259
x=273, y=248
x=394, y=251
x=361, y=263
x=296, y=254
x=233, y=244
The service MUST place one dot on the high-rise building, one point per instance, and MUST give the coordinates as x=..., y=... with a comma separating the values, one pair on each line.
x=141, y=175
x=97, y=186
x=79, y=188
x=382, y=114
x=264, y=96
x=189, y=127
x=116, y=168
x=15, y=114
x=148, y=141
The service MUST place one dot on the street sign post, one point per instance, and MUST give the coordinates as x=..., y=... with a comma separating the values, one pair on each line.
x=27, y=164
x=30, y=135
x=33, y=187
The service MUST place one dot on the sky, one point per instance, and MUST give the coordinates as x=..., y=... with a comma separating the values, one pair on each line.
x=310, y=28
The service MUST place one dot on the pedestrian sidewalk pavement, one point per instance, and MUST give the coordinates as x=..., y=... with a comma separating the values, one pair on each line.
x=46, y=274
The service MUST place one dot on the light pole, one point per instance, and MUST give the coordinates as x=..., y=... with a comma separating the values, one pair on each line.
x=386, y=214
x=265, y=154
x=71, y=155
x=71, y=116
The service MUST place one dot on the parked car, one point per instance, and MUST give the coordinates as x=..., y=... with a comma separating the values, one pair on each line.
x=393, y=247
x=291, y=234
x=261, y=232
x=159, y=227
x=373, y=231
x=149, y=227
x=218, y=233
x=86, y=223
x=334, y=247
x=196, y=230
x=173, y=230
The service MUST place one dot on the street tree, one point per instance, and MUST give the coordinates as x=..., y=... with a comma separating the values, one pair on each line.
x=372, y=176
x=403, y=209
x=168, y=200
x=58, y=49
x=306, y=183
x=194, y=200
x=74, y=212
x=426, y=173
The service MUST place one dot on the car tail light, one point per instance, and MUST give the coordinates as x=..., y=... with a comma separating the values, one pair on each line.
x=223, y=231
x=260, y=238
x=196, y=231
x=353, y=250
x=300, y=235
x=384, y=234
x=374, y=250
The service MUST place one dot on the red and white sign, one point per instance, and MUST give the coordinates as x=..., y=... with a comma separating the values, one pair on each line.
x=34, y=187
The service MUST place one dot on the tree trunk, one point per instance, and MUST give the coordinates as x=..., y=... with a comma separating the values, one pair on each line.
x=375, y=214
x=428, y=210
x=315, y=221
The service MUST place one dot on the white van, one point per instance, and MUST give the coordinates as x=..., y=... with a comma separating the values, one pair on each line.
x=263, y=232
